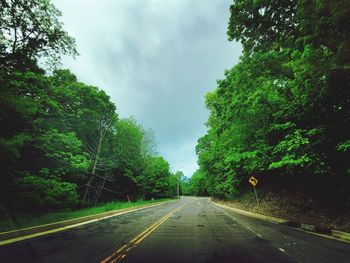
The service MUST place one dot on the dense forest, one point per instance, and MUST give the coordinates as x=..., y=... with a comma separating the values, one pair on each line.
x=62, y=144
x=282, y=114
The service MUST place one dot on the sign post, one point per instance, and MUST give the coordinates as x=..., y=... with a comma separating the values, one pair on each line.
x=253, y=181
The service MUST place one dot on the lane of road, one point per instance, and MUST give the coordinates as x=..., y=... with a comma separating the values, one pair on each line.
x=188, y=230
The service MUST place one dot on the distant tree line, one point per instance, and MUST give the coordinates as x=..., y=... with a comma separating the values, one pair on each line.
x=282, y=113
x=62, y=143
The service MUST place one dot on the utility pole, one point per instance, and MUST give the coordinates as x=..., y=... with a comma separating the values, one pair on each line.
x=178, y=185
x=179, y=173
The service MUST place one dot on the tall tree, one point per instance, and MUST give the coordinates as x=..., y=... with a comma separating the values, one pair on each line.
x=283, y=112
x=29, y=30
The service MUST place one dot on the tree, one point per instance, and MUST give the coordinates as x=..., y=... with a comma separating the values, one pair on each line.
x=157, y=178
x=88, y=111
x=127, y=148
x=61, y=142
x=283, y=111
x=198, y=184
x=104, y=125
x=262, y=25
x=29, y=30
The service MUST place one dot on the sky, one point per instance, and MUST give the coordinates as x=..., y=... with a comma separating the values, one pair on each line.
x=156, y=59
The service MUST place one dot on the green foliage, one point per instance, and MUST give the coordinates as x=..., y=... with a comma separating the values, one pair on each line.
x=39, y=193
x=344, y=147
x=10, y=147
x=58, y=134
x=157, y=177
x=296, y=151
x=282, y=113
x=61, y=141
x=198, y=184
x=65, y=148
x=30, y=30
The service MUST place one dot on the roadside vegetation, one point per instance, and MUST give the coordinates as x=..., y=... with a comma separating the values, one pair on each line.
x=62, y=143
x=282, y=114
x=36, y=219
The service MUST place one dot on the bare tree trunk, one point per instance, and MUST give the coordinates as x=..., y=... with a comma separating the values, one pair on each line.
x=104, y=124
x=92, y=176
x=99, y=191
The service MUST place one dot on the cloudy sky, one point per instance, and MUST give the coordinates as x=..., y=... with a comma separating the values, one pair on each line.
x=156, y=59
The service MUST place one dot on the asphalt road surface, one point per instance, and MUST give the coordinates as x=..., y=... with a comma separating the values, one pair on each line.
x=187, y=230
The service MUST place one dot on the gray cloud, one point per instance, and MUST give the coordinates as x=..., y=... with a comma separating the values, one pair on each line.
x=156, y=59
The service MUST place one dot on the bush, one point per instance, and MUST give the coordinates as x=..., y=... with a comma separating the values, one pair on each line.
x=42, y=194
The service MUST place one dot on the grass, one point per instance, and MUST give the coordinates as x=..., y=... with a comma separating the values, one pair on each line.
x=29, y=220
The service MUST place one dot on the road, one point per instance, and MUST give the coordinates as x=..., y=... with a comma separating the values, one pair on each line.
x=187, y=230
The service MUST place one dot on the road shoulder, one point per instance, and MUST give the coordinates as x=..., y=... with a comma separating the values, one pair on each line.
x=326, y=233
x=31, y=232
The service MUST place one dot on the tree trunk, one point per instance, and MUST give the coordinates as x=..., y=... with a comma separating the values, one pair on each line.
x=99, y=191
x=92, y=176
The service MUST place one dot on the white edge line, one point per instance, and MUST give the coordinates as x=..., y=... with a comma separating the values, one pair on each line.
x=247, y=227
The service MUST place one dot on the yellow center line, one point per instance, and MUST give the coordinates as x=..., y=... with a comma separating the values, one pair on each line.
x=120, y=253
x=121, y=248
x=150, y=231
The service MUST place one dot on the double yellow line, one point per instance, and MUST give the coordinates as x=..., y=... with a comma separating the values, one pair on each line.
x=120, y=253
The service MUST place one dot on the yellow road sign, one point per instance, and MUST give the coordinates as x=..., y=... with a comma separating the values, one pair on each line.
x=253, y=181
